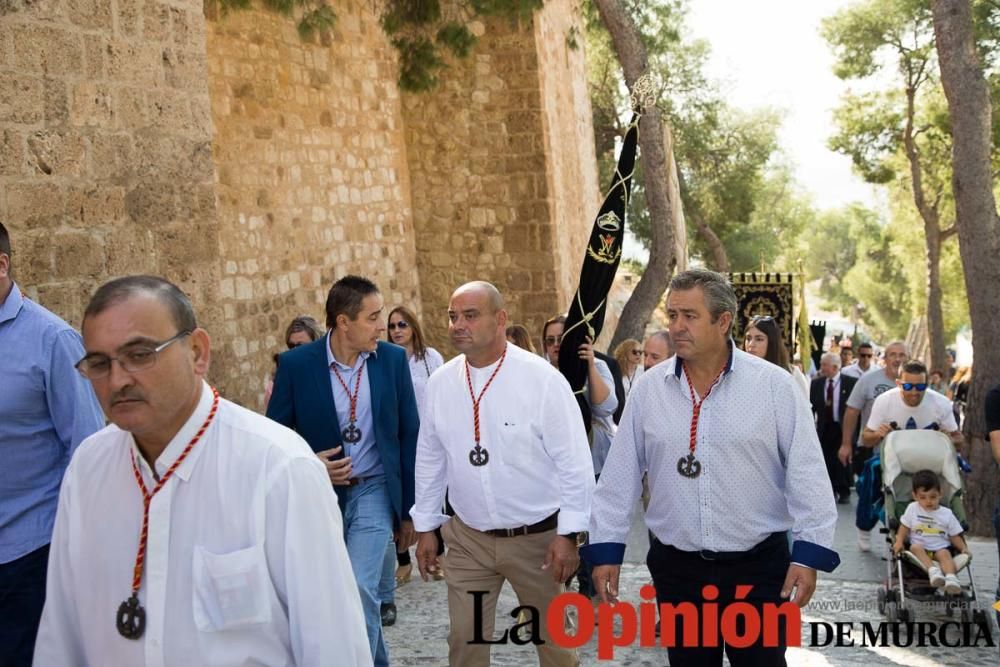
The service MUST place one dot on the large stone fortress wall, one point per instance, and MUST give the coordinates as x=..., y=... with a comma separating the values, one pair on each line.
x=254, y=169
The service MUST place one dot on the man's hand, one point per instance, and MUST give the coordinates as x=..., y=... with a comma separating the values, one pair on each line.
x=884, y=430
x=338, y=470
x=605, y=578
x=427, y=558
x=406, y=536
x=803, y=580
x=845, y=453
x=563, y=557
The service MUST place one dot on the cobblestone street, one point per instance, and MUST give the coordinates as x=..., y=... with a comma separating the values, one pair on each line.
x=849, y=594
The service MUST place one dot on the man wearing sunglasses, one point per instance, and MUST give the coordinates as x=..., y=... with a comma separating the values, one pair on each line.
x=863, y=364
x=910, y=406
x=191, y=531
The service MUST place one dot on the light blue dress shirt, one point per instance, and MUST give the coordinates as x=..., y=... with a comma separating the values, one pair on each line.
x=46, y=410
x=365, y=459
x=602, y=423
x=762, y=467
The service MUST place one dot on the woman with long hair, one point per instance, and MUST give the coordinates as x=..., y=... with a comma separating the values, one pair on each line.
x=763, y=339
x=518, y=334
x=301, y=330
x=628, y=354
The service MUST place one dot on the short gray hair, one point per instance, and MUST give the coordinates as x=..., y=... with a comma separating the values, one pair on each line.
x=832, y=358
x=719, y=295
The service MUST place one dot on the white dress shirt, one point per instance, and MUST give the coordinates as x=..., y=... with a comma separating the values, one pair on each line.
x=421, y=371
x=245, y=561
x=530, y=424
x=762, y=467
x=855, y=371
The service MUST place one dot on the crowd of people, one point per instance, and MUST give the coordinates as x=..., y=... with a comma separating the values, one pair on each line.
x=145, y=519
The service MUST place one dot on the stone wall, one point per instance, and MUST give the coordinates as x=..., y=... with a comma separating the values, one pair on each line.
x=503, y=170
x=311, y=176
x=105, y=147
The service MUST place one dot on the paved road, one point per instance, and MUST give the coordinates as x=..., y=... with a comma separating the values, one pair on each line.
x=419, y=637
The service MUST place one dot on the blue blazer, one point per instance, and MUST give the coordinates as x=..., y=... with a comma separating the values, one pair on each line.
x=302, y=399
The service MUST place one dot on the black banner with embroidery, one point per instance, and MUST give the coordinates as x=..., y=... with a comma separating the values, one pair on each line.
x=762, y=294
x=604, y=250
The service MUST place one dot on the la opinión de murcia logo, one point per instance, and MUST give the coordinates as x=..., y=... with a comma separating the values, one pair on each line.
x=740, y=624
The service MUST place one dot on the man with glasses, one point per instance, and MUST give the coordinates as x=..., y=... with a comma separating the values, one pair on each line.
x=191, y=531
x=46, y=411
x=862, y=365
x=910, y=406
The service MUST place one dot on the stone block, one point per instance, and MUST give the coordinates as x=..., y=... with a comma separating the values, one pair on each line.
x=79, y=254
x=97, y=206
x=90, y=14
x=130, y=18
x=184, y=69
x=129, y=250
x=93, y=105
x=63, y=299
x=48, y=50
x=151, y=203
x=55, y=152
x=22, y=98
x=93, y=51
x=35, y=204
x=156, y=22
x=133, y=64
x=11, y=153
x=56, y=101
x=111, y=157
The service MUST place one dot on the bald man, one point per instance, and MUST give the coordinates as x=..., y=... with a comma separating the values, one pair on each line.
x=657, y=349
x=502, y=433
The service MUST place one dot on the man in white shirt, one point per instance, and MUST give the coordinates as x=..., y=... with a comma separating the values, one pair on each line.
x=726, y=492
x=502, y=434
x=222, y=521
x=910, y=406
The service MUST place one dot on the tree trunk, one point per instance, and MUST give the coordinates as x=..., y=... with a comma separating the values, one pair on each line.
x=720, y=259
x=978, y=233
x=649, y=290
x=932, y=240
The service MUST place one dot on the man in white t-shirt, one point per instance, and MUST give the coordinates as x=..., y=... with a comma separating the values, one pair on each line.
x=863, y=364
x=910, y=406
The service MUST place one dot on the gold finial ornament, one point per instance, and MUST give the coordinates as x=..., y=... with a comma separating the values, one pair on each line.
x=642, y=94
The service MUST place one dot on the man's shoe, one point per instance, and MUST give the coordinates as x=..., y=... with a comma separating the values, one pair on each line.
x=864, y=540
x=388, y=613
x=936, y=578
x=952, y=586
x=403, y=573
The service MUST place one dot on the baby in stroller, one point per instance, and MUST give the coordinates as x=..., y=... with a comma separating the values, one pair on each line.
x=931, y=528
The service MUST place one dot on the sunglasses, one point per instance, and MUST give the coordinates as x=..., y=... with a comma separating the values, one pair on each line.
x=553, y=340
x=865, y=356
x=910, y=386
x=401, y=325
x=637, y=353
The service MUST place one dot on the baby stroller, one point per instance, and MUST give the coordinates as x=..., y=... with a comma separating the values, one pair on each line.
x=904, y=453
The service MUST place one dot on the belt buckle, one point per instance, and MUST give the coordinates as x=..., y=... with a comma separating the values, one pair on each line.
x=707, y=555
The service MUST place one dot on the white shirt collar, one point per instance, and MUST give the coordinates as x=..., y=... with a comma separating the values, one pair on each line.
x=331, y=360
x=181, y=439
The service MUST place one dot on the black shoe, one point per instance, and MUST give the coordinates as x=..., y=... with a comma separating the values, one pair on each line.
x=844, y=499
x=388, y=613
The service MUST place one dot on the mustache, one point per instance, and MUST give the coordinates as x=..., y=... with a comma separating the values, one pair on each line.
x=127, y=394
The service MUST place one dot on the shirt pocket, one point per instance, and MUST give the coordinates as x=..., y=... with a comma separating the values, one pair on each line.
x=518, y=445
x=230, y=589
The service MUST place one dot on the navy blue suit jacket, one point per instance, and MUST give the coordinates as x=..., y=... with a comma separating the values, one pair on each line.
x=302, y=399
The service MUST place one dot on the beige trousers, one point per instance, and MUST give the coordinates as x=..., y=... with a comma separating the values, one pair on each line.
x=476, y=561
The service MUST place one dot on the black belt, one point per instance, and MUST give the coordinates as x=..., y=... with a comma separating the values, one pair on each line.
x=354, y=481
x=548, y=523
x=770, y=542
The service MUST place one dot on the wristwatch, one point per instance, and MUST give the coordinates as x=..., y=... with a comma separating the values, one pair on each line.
x=579, y=537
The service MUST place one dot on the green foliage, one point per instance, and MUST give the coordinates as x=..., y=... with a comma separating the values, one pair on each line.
x=418, y=60
x=457, y=38
x=315, y=16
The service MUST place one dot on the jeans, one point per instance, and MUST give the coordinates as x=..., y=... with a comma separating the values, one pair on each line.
x=387, y=580
x=368, y=520
x=22, y=594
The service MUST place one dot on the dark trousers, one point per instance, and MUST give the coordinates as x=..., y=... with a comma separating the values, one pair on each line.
x=840, y=475
x=679, y=576
x=22, y=595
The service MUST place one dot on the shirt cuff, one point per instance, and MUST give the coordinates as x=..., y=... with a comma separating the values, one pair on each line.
x=809, y=554
x=605, y=553
x=572, y=522
x=425, y=523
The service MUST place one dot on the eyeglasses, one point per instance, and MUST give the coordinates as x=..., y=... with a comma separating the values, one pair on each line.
x=401, y=325
x=910, y=386
x=637, y=353
x=553, y=340
x=292, y=346
x=134, y=359
x=865, y=356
